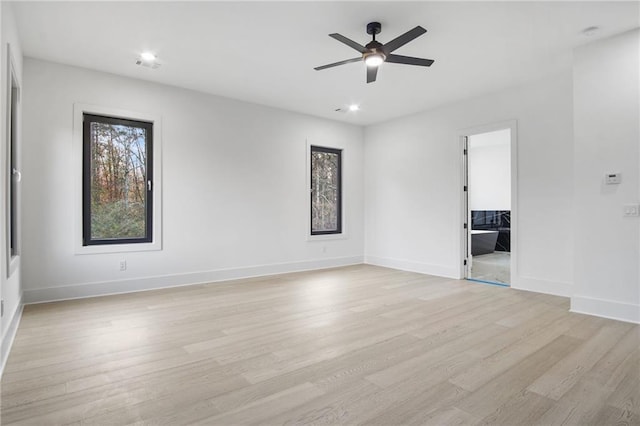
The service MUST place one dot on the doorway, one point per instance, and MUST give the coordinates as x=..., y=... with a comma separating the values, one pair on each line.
x=489, y=206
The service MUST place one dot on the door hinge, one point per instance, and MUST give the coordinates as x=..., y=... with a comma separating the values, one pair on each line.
x=464, y=188
x=149, y=185
x=464, y=151
x=464, y=226
x=1, y=308
x=465, y=262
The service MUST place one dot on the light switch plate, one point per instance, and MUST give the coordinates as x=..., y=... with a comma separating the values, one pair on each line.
x=612, y=178
x=631, y=210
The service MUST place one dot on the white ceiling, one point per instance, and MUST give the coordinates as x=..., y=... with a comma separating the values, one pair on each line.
x=264, y=52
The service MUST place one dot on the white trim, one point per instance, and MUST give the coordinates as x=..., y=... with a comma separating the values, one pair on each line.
x=78, y=291
x=412, y=266
x=78, y=110
x=611, y=309
x=513, y=126
x=10, y=335
x=344, y=234
x=556, y=288
x=464, y=217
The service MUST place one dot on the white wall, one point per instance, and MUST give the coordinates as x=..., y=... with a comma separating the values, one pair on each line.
x=10, y=288
x=606, y=122
x=234, y=192
x=413, y=172
x=489, y=165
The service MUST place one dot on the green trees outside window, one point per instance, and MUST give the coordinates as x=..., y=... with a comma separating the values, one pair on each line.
x=326, y=191
x=117, y=180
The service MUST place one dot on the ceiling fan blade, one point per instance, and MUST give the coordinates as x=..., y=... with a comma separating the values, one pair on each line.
x=403, y=39
x=352, y=44
x=409, y=60
x=335, y=64
x=372, y=72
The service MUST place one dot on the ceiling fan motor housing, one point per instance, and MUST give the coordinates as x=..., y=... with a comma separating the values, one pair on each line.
x=374, y=45
x=374, y=28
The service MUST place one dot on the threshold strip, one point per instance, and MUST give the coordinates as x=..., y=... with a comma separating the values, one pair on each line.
x=488, y=282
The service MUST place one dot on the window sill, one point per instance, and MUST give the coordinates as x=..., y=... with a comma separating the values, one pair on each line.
x=118, y=248
x=13, y=265
x=327, y=237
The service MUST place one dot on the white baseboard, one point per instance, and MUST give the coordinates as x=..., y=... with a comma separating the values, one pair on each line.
x=620, y=311
x=78, y=291
x=556, y=288
x=9, y=336
x=411, y=266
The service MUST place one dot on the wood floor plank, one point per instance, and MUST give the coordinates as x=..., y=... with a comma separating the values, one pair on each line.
x=450, y=416
x=580, y=406
x=69, y=370
x=420, y=400
x=524, y=408
x=566, y=373
x=618, y=362
x=290, y=361
x=522, y=343
x=332, y=408
x=352, y=345
x=448, y=353
x=611, y=416
x=627, y=395
x=494, y=394
x=266, y=407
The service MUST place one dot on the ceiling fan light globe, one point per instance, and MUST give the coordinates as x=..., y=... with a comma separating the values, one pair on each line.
x=374, y=60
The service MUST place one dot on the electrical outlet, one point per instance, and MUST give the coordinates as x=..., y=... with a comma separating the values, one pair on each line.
x=123, y=265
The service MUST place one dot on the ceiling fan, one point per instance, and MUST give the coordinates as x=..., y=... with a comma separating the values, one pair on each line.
x=375, y=53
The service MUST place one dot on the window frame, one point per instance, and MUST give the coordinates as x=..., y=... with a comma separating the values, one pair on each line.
x=13, y=175
x=339, y=151
x=77, y=171
x=13, y=171
x=86, y=178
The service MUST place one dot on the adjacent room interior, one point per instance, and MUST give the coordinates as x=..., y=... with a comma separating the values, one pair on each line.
x=488, y=180
x=320, y=212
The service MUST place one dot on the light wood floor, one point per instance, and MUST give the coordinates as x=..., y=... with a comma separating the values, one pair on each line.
x=355, y=345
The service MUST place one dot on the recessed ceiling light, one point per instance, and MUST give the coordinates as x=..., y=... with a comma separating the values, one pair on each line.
x=354, y=107
x=147, y=56
x=590, y=31
x=148, y=60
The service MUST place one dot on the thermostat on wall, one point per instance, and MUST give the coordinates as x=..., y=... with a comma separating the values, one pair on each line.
x=611, y=178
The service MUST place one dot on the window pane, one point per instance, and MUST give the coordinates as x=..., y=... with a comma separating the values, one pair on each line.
x=13, y=174
x=118, y=181
x=325, y=191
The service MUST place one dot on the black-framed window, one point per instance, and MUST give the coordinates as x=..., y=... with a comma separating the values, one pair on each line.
x=326, y=190
x=13, y=173
x=117, y=182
